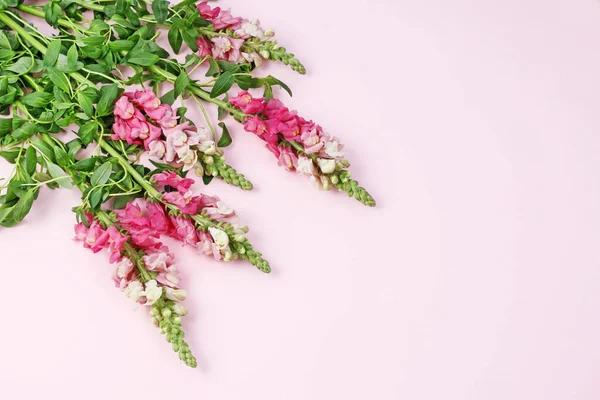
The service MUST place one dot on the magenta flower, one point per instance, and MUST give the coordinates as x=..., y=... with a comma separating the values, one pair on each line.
x=287, y=158
x=207, y=12
x=171, y=178
x=226, y=21
x=247, y=104
x=184, y=231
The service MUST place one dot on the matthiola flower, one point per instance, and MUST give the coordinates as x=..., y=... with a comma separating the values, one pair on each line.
x=249, y=29
x=226, y=48
x=184, y=231
x=326, y=166
x=305, y=166
x=245, y=102
x=253, y=58
x=170, y=178
x=287, y=158
x=175, y=294
x=220, y=237
x=123, y=273
x=204, y=47
x=152, y=292
x=226, y=21
x=207, y=12
x=134, y=290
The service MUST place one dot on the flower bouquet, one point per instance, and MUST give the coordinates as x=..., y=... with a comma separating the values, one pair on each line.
x=104, y=76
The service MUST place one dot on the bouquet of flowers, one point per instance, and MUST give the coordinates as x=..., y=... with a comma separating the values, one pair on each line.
x=105, y=74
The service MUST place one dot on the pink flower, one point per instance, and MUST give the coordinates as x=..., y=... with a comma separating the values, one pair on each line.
x=133, y=214
x=226, y=48
x=288, y=158
x=145, y=238
x=159, y=112
x=153, y=136
x=158, y=261
x=157, y=149
x=290, y=129
x=170, y=178
x=203, y=47
x=185, y=202
x=206, y=12
x=146, y=99
x=123, y=108
x=276, y=110
x=255, y=125
x=226, y=20
x=123, y=273
x=312, y=141
x=184, y=231
x=116, y=243
x=273, y=148
x=247, y=104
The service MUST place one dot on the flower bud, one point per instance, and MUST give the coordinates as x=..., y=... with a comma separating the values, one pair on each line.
x=166, y=313
x=269, y=33
x=265, y=54
x=155, y=322
x=179, y=309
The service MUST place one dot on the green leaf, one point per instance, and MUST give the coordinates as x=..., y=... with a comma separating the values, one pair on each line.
x=222, y=85
x=44, y=148
x=23, y=206
x=168, y=98
x=87, y=132
x=30, y=160
x=72, y=57
x=4, y=42
x=108, y=96
x=25, y=131
x=268, y=93
x=95, y=198
x=207, y=178
x=121, y=45
x=213, y=68
x=85, y=164
x=102, y=174
x=160, y=9
x=121, y=201
x=10, y=155
x=60, y=175
x=74, y=146
x=189, y=37
x=5, y=126
x=37, y=99
x=225, y=139
x=59, y=79
x=175, y=40
x=274, y=81
x=85, y=103
x=6, y=54
x=181, y=83
x=143, y=58
x=61, y=157
x=22, y=65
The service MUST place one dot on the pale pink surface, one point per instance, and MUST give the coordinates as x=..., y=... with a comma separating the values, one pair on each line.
x=475, y=125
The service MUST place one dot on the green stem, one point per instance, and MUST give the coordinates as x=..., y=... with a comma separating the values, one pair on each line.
x=89, y=6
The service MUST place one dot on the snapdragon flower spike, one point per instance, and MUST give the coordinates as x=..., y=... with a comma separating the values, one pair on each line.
x=141, y=119
x=300, y=145
x=241, y=40
x=203, y=222
x=149, y=278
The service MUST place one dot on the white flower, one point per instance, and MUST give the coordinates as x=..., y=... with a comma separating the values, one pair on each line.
x=124, y=267
x=250, y=28
x=188, y=157
x=175, y=294
x=253, y=57
x=326, y=166
x=220, y=237
x=152, y=292
x=226, y=254
x=157, y=261
x=208, y=147
x=134, y=290
x=179, y=309
x=198, y=169
x=333, y=149
x=305, y=166
x=179, y=138
x=322, y=182
x=224, y=209
x=157, y=148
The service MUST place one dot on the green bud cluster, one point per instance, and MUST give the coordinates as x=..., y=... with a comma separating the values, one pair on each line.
x=170, y=325
x=220, y=169
x=344, y=183
x=276, y=53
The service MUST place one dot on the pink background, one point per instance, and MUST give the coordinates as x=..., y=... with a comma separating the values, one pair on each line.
x=475, y=124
